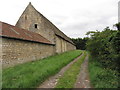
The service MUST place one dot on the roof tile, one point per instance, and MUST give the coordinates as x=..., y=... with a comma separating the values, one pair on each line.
x=15, y=32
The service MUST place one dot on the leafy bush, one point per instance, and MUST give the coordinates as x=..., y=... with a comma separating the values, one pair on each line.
x=105, y=46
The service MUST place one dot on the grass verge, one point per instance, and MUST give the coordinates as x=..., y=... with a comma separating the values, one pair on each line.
x=70, y=76
x=101, y=77
x=32, y=74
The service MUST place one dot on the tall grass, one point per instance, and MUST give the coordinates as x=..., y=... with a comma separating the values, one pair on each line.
x=70, y=76
x=32, y=74
x=101, y=77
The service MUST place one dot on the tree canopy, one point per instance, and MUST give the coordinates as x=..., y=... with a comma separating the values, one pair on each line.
x=80, y=43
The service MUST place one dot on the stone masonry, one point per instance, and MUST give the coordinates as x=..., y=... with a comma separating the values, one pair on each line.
x=20, y=51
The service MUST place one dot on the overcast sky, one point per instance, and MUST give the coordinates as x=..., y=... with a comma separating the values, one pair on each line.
x=73, y=17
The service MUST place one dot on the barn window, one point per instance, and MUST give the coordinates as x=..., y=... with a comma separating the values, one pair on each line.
x=25, y=17
x=36, y=26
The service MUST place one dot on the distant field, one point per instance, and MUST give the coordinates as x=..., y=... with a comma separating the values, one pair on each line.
x=32, y=74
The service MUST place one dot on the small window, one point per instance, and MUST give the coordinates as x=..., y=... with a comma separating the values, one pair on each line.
x=25, y=17
x=36, y=26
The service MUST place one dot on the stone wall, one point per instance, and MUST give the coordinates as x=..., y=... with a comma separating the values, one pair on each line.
x=70, y=46
x=63, y=45
x=58, y=45
x=18, y=51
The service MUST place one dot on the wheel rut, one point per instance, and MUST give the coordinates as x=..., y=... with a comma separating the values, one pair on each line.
x=83, y=80
x=52, y=81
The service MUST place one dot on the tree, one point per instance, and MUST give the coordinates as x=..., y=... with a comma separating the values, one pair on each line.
x=80, y=43
x=117, y=25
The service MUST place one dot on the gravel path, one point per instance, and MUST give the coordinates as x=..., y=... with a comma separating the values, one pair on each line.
x=52, y=81
x=83, y=80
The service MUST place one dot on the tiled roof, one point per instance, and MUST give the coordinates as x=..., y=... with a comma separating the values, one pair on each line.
x=7, y=30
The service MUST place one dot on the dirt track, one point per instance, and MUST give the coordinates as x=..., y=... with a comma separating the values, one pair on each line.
x=52, y=81
x=83, y=80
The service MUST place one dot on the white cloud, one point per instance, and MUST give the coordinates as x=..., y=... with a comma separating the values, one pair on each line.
x=73, y=17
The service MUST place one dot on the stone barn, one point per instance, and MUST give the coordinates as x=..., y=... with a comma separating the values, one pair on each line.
x=32, y=38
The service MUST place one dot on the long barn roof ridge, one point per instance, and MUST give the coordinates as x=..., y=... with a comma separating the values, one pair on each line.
x=57, y=31
x=7, y=30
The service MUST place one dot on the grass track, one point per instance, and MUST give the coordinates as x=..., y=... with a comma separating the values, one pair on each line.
x=32, y=74
x=70, y=76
